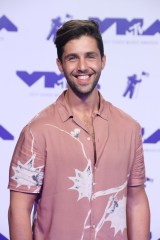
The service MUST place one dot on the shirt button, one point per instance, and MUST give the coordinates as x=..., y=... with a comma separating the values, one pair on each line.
x=88, y=138
x=93, y=197
x=93, y=226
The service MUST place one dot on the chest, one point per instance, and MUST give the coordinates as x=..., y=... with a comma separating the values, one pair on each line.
x=70, y=147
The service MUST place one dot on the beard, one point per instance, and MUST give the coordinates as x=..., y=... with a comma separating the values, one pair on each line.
x=83, y=91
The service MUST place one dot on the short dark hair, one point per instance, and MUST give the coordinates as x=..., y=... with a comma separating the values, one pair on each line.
x=74, y=29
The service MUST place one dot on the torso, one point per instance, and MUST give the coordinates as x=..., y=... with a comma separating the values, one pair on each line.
x=68, y=174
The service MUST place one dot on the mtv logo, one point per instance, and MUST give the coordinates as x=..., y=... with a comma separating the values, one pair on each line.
x=50, y=78
x=5, y=23
x=4, y=134
x=124, y=26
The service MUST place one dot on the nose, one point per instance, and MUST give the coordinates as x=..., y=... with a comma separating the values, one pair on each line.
x=82, y=65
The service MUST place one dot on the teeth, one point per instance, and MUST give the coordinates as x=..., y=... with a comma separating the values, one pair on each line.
x=83, y=77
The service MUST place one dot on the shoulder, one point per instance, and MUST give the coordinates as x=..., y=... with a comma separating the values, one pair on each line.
x=51, y=115
x=37, y=125
x=43, y=116
x=121, y=118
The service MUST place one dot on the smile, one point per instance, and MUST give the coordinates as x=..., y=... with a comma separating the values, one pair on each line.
x=82, y=77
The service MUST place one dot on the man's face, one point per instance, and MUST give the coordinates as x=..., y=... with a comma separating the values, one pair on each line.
x=82, y=65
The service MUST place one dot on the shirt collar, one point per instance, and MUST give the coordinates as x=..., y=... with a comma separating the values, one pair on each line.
x=63, y=107
x=104, y=108
x=66, y=113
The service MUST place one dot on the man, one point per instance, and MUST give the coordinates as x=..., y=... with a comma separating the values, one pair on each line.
x=80, y=159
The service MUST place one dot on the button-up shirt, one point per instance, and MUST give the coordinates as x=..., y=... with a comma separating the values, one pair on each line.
x=79, y=199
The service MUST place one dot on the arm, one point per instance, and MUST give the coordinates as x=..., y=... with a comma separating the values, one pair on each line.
x=138, y=214
x=19, y=215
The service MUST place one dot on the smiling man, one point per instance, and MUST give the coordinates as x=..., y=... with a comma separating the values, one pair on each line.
x=81, y=159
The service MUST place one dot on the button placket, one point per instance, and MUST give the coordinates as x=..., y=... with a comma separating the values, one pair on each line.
x=93, y=225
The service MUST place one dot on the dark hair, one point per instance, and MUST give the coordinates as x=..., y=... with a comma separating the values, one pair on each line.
x=74, y=29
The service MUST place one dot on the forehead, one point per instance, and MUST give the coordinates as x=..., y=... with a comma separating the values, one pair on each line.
x=80, y=45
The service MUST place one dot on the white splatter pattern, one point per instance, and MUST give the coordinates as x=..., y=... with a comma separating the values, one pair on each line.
x=26, y=174
x=83, y=182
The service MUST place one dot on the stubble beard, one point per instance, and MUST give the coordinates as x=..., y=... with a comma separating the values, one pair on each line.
x=80, y=93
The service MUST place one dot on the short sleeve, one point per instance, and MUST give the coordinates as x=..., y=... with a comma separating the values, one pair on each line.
x=28, y=163
x=137, y=175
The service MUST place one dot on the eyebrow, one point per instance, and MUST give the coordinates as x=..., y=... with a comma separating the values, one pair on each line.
x=92, y=53
x=75, y=54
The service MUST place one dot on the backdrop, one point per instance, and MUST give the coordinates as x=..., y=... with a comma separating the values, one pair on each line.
x=30, y=80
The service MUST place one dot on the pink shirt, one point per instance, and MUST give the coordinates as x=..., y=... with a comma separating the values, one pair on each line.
x=78, y=200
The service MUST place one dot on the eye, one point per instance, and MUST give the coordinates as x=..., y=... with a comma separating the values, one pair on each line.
x=71, y=58
x=91, y=56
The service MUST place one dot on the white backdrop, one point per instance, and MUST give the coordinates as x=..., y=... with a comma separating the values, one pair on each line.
x=30, y=80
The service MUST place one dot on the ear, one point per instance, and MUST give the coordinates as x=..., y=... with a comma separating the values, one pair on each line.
x=103, y=61
x=59, y=64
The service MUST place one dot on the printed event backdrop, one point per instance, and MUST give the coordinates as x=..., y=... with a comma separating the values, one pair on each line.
x=30, y=80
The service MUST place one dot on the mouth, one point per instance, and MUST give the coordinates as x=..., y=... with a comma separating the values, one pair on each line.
x=83, y=77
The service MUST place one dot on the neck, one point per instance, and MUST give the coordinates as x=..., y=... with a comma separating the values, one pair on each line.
x=83, y=105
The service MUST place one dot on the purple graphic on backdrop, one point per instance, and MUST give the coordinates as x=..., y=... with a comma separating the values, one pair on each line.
x=56, y=23
x=151, y=237
x=153, y=138
x=5, y=23
x=132, y=82
x=124, y=26
x=148, y=180
x=3, y=237
x=50, y=78
x=5, y=134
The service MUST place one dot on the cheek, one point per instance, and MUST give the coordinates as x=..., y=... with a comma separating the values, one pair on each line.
x=68, y=68
x=97, y=67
